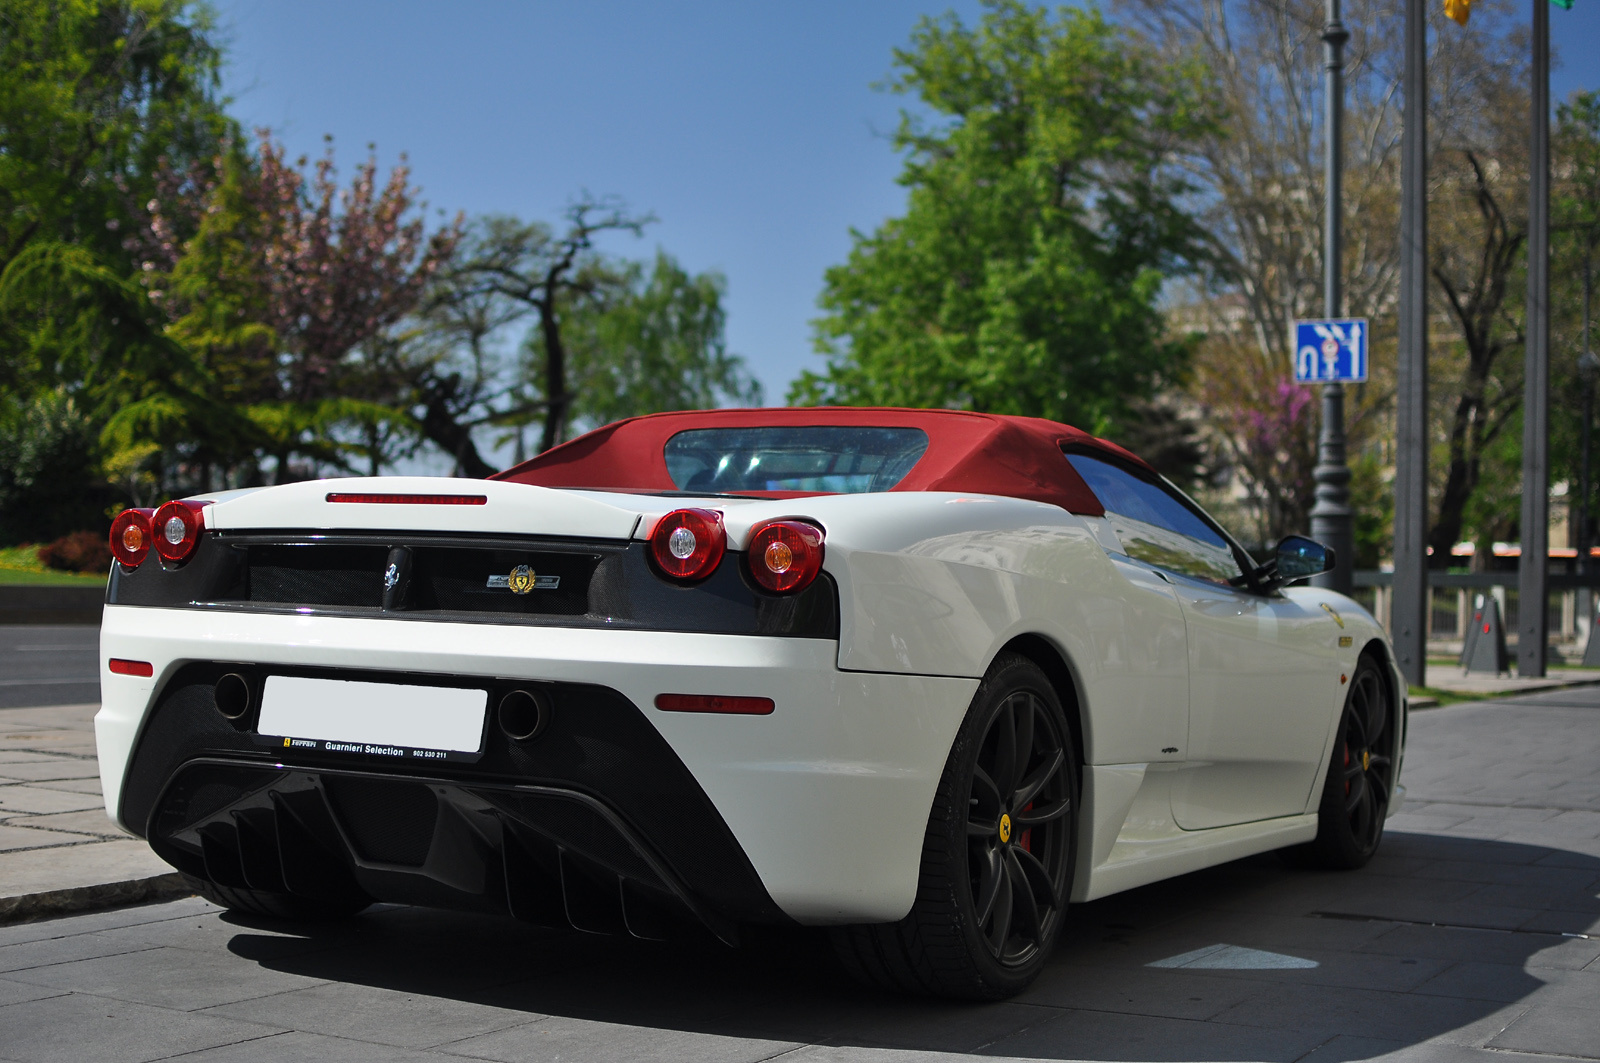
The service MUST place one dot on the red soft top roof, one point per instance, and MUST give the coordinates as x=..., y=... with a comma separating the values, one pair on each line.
x=981, y=453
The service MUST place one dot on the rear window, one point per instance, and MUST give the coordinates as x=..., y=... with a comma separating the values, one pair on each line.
x=824, y=458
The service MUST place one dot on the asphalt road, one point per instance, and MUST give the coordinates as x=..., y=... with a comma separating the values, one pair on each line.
x=54, y=665
x=1474, y=936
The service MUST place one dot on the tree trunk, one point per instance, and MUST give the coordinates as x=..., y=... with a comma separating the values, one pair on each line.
x=1461, y=478
x=555, y=374
x=440, y=427
x=1477, y=307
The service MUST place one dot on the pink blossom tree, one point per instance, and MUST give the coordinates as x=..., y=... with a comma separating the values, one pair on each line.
x=284, y=282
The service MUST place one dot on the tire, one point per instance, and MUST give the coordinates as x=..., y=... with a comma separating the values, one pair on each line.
x=998, y=856
x=1360, y=779
x=280, y=906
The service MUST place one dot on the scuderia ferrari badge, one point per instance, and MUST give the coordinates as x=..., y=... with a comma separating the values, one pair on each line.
x=523, y=580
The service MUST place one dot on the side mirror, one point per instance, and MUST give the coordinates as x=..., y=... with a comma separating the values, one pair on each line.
x=1300, y=558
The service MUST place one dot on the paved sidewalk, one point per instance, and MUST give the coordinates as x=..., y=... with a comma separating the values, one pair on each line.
x=58, y=849
x=1457, y=680
x=1474, y=937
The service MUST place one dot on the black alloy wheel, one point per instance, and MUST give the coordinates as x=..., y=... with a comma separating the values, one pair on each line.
x=1019, y=829
x=999, y=853
x=1360, y=780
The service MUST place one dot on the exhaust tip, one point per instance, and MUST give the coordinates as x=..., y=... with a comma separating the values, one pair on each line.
x=524, y=714
x=232, y=696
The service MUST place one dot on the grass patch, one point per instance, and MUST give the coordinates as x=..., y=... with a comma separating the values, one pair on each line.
x=20, y=565
x=25, y=558
x=1447, y=697
x=14, y=577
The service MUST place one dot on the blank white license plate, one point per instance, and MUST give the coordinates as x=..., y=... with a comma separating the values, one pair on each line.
x=373, y=714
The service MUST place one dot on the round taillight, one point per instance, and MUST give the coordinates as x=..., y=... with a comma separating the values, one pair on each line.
x=688, y=544
x=175, y=529
x=131, y=536
x=785, y=556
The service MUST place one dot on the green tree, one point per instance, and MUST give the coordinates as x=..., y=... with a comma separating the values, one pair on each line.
x=94, y=96
x=70, y=325
x=48, y=453
x=654, y=342
x=1043, y=215
x=600, y=337
x=98, y=98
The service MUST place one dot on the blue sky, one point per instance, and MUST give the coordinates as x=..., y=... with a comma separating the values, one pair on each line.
x=749, y=129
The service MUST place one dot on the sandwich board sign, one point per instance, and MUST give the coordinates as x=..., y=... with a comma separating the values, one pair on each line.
x=1330, y=350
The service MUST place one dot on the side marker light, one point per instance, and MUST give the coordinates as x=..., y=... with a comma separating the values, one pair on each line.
x=142, y=669
x=714, y=703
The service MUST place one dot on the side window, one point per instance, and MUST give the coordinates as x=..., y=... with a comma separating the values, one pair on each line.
x=1154, y=525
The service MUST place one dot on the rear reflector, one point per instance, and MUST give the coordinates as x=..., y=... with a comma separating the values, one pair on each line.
x=411, y=500
x=138, y=668
x=713, y=703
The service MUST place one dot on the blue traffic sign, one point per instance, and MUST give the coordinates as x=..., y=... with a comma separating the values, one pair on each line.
x=1332, y=349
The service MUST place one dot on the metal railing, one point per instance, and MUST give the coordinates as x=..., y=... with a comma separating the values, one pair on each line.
x=1447, y=613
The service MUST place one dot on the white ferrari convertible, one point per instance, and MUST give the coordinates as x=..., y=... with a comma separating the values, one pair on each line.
x=922, y=677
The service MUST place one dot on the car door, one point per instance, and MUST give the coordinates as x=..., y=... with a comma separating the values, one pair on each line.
x=1144, y=669
x=1259, y=688
x=1257, y=663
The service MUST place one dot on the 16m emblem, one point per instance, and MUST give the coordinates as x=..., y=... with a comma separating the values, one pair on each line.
x=523, y=580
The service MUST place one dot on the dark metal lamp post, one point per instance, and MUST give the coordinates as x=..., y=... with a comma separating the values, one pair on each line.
x=1588, y=371
x=1533, y=600
x=1410, y=602
x=1331, y=522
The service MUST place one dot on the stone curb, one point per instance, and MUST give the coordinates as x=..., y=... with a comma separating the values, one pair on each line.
x=1544, y=686
x=28, y=907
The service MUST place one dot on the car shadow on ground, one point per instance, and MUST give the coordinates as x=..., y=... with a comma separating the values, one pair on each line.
x=1438, y=936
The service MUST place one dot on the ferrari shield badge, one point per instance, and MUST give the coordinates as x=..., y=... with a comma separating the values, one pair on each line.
x=521, y=580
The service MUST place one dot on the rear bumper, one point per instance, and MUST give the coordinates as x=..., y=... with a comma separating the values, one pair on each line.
x=547, y=855
x=827, y=798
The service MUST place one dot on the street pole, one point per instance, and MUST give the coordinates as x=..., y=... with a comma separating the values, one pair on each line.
x=1409, y=593
x=1330, y=517
x=1588, y=369
x=1588, y=366
x=1533, y=565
